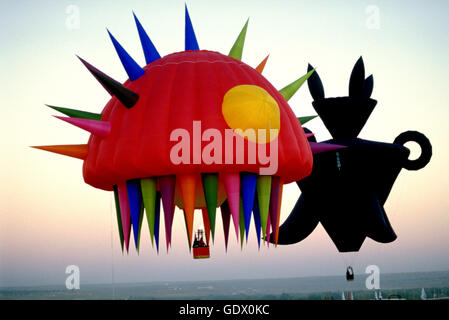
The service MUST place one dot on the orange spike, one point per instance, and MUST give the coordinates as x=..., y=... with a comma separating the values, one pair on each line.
x=261, y=65
x=72, y=150
x=187, y=183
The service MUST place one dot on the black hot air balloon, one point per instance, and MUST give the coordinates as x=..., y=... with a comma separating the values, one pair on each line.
x=347, y=188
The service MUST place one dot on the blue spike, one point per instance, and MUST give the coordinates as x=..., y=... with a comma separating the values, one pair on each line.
x=191, y=43
x=257, y=223
x=133, y=70
x=149, y=50
x=248, y=185
x=135, y=203
x=157, y=215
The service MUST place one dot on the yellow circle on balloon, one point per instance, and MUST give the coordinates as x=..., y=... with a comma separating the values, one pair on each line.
x=252, y=107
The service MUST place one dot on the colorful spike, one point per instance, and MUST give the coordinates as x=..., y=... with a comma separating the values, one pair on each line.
x=308, y=135
x=257, y=223
x=281, y=188
x=206, y=224
x=324, y=147
x=133, y=70
x=210, y=187
x=148, y=187
x=78, y=151
x=190, y=39
x=261, y=65
x=125, y=212
x=187, y=182
x=119, y=218
x=232, y=187
x=124, y=95
x=141, y=214
x=288, y=91
x=306, y=119
x=189, y=241
x=157, y=219
x=315, y=85
x=248, y=182
x=226, y=217
x=149, y=50
x=167, y=186
x=275, y=202
x=241, y=224
x=135, y=203
x=99, y=128
x=77, y=113
x=237, y=49
x=267, y=233
x=263, y=186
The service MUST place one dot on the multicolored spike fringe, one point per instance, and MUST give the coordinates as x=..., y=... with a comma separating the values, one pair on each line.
x=247, y=194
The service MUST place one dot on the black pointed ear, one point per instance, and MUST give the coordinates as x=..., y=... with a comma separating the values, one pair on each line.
x=315, y=85
x=368, y=87
x=357, y=80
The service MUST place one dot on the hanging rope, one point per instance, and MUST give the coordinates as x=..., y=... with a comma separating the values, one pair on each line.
x=112, y=246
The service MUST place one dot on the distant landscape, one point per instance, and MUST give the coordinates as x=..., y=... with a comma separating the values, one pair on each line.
x=394, y=286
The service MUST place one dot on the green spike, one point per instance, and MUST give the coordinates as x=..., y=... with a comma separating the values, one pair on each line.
x=237, y=48
x=291, y=89
x=148, y=187
x=77, y=113
x=210, y=187
x=263, y=186
x=119, y=216
x=306, y=119
x=241, y=223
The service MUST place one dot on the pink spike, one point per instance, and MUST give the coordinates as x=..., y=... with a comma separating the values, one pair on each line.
x=324, y=147
x=125, y=211
x=99, y=128
x=167, y=187
x=232, y=187
x=308, y=135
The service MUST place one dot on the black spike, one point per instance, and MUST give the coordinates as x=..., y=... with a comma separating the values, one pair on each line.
x=357, y=80
x=368, y=87
x=315, y=85
x=124, y=95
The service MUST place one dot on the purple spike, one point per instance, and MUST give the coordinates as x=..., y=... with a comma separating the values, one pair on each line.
x=226, y=217
x=157, y=218
x=324, y=147
x=167, y=188
x=113, y=87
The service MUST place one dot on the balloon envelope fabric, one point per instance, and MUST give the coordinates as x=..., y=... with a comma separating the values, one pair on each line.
x=174, y=132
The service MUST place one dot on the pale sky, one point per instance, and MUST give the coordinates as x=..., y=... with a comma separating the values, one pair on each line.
x=49, y=218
